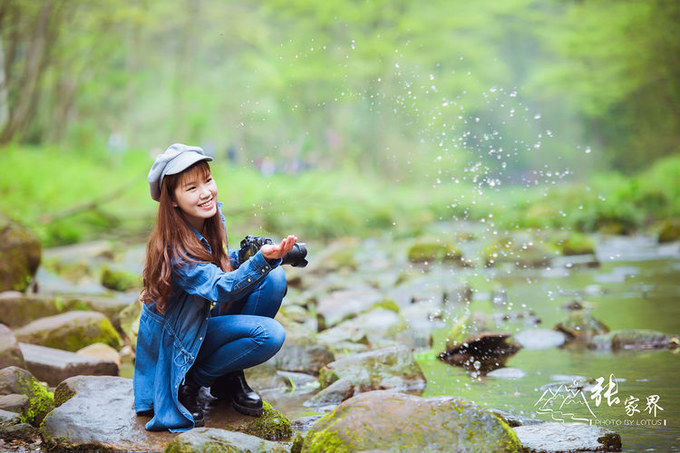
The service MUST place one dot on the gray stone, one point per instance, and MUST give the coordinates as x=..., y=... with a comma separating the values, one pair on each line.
x=15, y=402
x=580, y=324
x=70, y=331
x=389, y=368
x=414, y=424
x=97, y=413
x=375, y=328
x=340, y=305
x=301, y=352
x=10, y=354
x=213, y=439
x=566, y=437
x=11, y=428
x=508, y=373
x=534, y=339
x=54, y=365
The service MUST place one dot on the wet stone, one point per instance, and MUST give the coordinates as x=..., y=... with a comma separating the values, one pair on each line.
x=14, y=402
x=566, y=437
x=10, y=354
x=534, y=339
x=213, y=439
x=54, y=365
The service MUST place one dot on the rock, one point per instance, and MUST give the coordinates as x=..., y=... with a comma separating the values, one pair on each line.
x=129, y=321
x=521, y=250
x=669, y=231
x=341, y=305
x=467, y=327
x=20, y=252
x=301, y=351
x=389, y=368
x=10, y=354
x=534, y=339
x=580, y=324
x=414, y=424
x=103, y=352
x=14, y=402
x=54, y=365
x=434, y=251
x=97, y=413
x=83, y=251
x=17, y=381
x=12, y=428
x=271, y=425
x=213, y=439
x=482, y=353
x=566, y=437
x=120, y=280
x=17, y=309
x=508, y=373
x=70, y=331
x=634, y=339
x=376, y=328
x=576, y=244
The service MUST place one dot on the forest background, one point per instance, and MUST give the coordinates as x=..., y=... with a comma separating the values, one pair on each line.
x=344, y=117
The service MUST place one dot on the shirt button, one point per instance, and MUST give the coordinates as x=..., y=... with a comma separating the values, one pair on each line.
x=248, y=279
x=201, y=338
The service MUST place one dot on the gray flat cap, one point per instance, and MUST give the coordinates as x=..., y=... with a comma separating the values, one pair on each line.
x=175, y=159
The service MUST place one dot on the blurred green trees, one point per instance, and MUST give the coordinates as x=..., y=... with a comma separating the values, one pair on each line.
x=400, y=87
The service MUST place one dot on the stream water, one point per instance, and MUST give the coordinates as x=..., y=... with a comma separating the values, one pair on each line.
x=637, y=286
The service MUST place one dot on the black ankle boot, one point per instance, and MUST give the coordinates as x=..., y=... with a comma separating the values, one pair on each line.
x=233, y=387
x=188, y=396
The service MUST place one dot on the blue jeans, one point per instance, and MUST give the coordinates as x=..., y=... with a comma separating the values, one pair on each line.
x=245, y=335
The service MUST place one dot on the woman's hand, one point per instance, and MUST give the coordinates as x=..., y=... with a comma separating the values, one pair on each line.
x=275, y=252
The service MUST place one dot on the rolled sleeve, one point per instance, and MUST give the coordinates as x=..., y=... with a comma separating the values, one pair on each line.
x=210, y=282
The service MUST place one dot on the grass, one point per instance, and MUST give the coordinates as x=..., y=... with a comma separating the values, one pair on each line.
x=48, y=189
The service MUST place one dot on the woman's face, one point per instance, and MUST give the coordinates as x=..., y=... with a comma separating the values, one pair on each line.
x=196, y=196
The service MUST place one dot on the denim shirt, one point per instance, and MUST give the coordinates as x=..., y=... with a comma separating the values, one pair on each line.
x=167, y=344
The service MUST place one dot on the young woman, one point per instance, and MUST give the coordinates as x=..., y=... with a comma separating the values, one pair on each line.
x=206, y=316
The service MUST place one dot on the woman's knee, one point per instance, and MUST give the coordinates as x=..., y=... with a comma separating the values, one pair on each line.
x=275, y=334
x=277, y=280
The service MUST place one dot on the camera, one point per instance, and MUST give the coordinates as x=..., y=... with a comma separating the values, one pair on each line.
x=251, y=244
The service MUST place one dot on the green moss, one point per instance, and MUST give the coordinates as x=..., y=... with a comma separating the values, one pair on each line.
x=78, y=338
x=325, y=441
x=326, y=377
x=433, y=251
x=119, y=280
x=41, y=403
x=387, y=304
x=669, y=231
x=577, y=244
x=271, y=425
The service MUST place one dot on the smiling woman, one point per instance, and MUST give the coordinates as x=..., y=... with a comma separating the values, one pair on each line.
x=207, y=315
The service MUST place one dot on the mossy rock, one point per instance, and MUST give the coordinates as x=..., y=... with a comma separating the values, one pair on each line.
x=20, y=253
x=70, y=331
x=468, y=326
x=15, y=380
x=576, y=244
x=271, y=425
x=633, y=339
x=521, y=250
x=581, y=324
x=120, y=280
x=129, y=321
x=669, y=231
x=414, y=424
x=433, y=251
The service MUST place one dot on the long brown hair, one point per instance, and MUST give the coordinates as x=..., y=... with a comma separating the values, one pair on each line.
x=173, y=241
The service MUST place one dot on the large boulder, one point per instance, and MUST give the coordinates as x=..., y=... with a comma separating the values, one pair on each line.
x=10, y=353
x=97, y=413
x=389, y=368
x=390, y=421
x=213, y=439
x=129, y=321
x=20, y=252
x=70, y=331
x=17, y=381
